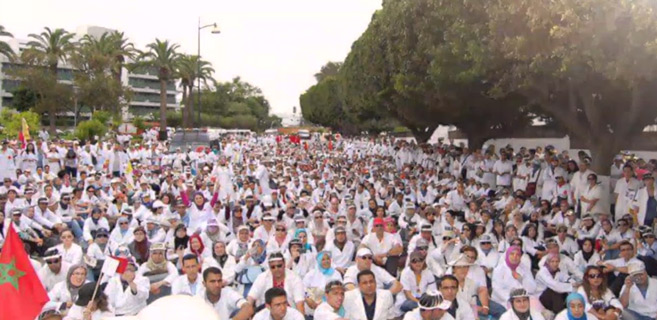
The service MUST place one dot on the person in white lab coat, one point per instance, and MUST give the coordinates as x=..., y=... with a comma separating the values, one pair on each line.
x=54, y=269
x=190, y=282
x=432, y=306
x=127, y=292
x=66, y=292
x=276, y=307
x=520, y=307
x=379, y=302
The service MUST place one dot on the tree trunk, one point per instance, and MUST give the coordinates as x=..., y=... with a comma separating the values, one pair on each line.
x=185, y=111
x=603, y=149
x=52, y=116
x=476, y=140
x=163, y=110
x=192, y=123
x=422, y=135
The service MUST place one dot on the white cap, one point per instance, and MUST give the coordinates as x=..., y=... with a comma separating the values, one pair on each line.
x=158, y=204
x=363, y=252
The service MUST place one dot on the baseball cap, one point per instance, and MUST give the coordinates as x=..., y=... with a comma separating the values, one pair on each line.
x=363, y=252
x=158, y=246
x=378, y=222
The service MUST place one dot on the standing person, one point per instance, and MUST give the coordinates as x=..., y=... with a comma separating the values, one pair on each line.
x=645, y=204
x=503, y=169
x=368, y=302
x=7, y=162
x=276, y=307
x=625, y=192
x=224, y=300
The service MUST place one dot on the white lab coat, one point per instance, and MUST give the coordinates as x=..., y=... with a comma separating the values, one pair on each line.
x=125, y=302
x=355, y=309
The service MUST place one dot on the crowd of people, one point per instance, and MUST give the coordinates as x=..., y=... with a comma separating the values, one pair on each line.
x=356, y=228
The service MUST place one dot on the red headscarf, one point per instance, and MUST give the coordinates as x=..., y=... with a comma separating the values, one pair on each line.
x=200, y=250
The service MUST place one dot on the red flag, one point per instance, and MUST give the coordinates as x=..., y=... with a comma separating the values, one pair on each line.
x=21, y=139
x=330, y=145
x=23, y=294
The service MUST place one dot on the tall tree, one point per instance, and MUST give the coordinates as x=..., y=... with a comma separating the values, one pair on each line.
x=51, y=47
x=5, y=49
x=191, y=69
x=588, y=65
x=163, y=56
x=330, y=69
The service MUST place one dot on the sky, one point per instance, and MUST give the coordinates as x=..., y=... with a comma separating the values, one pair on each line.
x=277, y=45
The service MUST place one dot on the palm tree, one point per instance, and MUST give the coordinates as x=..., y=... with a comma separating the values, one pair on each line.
x=162, y=56
x=122, y=49
x=190, y=69
x=5, y=49
x=54, y=46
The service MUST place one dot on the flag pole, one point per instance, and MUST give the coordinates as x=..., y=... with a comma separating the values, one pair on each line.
x=100, y=277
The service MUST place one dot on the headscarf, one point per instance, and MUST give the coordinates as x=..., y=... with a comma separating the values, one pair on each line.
x=325, y=271
x=220, y=259
x=512, y=249
x=123, y=219
x=157, y=268
x=572, y=297
x=587, y=255
x=200, y=241
x=180, y=242
x=198, y=193
x=259, y=258
x=307, y=245
x=73, y=290
x=142, y=247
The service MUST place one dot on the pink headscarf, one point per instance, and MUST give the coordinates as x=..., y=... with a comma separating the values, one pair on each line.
x=512, y=249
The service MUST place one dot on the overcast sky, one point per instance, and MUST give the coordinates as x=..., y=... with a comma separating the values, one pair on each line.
x=276, y=45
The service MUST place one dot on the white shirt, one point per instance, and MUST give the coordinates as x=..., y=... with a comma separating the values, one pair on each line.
x=646, y=306
x=125, y=302
x=325, y=312
x=182, y=285
x=229, y=301
x=291, y=314
x=293, y=287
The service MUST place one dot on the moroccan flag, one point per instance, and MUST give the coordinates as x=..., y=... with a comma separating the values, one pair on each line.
x=21, y=139
x=23, y=294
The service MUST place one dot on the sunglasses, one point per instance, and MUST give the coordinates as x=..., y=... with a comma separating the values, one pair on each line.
x=417, y=260
x=366, y=257
x=280, y=229
x=102, y=236
x=54, y=261
x=446, y=238
x=594, y=276
x=275, y=266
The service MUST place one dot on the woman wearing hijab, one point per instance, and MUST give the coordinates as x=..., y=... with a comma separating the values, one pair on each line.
x=575, y=309
x=225, y=262
x=315, y=281
x=553, y=284
x=122, y=234
x=511, y=274
x=139, y=247
x=586, y=256
x=199, y=210
x=178, y=243
x=66, y=292
x=520, y=307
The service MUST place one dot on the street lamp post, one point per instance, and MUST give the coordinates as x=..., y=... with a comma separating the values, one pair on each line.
x=215, y=30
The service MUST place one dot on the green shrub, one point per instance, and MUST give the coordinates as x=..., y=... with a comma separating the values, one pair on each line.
x=89, y=129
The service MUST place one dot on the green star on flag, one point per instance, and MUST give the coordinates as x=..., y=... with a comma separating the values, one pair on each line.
x=10, y=274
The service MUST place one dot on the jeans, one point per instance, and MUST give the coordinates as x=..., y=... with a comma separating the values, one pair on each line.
x=75, y=228
x=408, y=305
x=631, y=315
x=495, y=310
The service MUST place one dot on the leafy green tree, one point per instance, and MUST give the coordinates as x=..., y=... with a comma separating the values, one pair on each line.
x=330, y=69
x=23, y=99
x=89, y=129
x=163, y=56
x=188, y=73
x=590, y=66
x=13, y=123
x=48, y=49
x=5, y=49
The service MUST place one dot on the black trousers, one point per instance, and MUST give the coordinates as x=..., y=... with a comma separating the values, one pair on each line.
x=553, y=300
